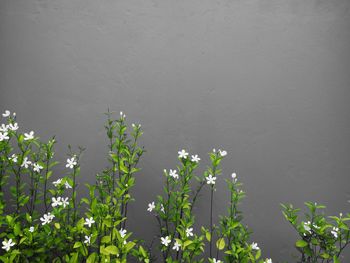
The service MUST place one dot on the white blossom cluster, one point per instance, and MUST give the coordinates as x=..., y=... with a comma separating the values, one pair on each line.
x=59, y=201
x=59, y=181
x=47, y=218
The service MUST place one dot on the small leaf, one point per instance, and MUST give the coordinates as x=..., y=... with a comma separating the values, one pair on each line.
x=301, y=243
x=112, y=250
x=220, y=244
x=77, y=244
x=208, y=236
x=91, y=258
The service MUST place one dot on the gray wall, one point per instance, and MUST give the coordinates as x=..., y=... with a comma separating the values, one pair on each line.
x=267, y=80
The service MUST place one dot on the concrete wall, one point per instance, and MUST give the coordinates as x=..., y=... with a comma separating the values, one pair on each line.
x=266, y=80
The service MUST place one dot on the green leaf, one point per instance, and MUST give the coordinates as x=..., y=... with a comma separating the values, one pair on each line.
x=301, y=243
x=106, y=239
x=80, y=224
x=142, y=252
x=22, y=240
x=129, y=246
x=208, y=236
x=112, y=250
x=325, y=255
x=17, y=229
x=220, y=244
x=187, y=243
x=77, y=244
x=29, y=218
x=74, y=258
x=258, y=254
x=91, y=258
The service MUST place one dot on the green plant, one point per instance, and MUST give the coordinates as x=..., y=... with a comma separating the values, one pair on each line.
x=41, y=223
x=322, y=238
x=42, y=220
x=176, y=220
x=233, y=235
x=174, y=213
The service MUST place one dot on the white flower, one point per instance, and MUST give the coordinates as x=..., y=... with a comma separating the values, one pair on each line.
x=183, y=154
x=216, y=260
x=65, y=202
x=4, y=136
x=255, y=246
x=31, y=229
x=56, y=183
x=189, y=232
x=122, y=115
x=26, y=163
x=13, y=127
x=67, y=185
x=89, y=222
x=87, y=240
x=162, y=208
x=14, y=158
x=195, y=158
x=151, y=206
x=222, y=153
x=6, y=114
x=29, y=136
x=316, y=226
x=46, y=219
x=176, y=246
x=165, y=241
x=210, y=179
x=71, y=163
x=268, y=260
x=8, y=244
x=307, y=226
x=56, y=201
x=14, y=114
x=335, y=232
x=4, y=128
x=173, y=173
x=234, y=177
x=37, y=167
x=122, y=232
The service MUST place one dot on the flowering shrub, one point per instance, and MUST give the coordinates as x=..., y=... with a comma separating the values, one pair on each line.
x=322, y=238
x=42, y=220
x=174, y=214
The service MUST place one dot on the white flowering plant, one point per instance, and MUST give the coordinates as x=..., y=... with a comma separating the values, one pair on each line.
x=178, y=240
x=322, y=238
x=107, y=238
x=43, y=221
x=174, y=213
x=233, y=235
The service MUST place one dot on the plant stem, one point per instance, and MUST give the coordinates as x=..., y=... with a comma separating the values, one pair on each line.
x=211, y=220
x=45, y=183
x=197, y=193
x=74, y=196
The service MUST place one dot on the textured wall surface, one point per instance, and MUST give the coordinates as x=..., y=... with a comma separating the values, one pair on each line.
x=267, y=80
